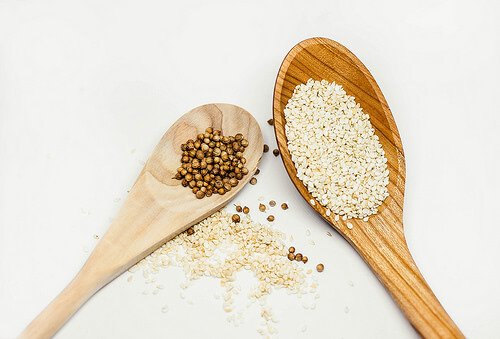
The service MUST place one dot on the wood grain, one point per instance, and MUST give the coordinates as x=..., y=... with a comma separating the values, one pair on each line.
x=157, y=209
x=380, y=241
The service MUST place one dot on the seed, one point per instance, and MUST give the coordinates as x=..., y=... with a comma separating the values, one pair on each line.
x=270, y=122
x=291, y=256
x=276, y=152
x=238, y=208
x=207, y=163
x=284, y=206
x=246, y=210
x=298, y=256
x=305, y=259
x=266, y=149
x=291, y=250
x=270, y=218
x=320, y=267
x=272, y=203
x=262, y=207
x=350, y=174
x=235, y=218
x=253, y=181
x=257, y=171
x=190, y=231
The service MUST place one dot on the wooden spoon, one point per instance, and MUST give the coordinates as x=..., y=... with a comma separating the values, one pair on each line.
x=157, y=209
x=380, y=241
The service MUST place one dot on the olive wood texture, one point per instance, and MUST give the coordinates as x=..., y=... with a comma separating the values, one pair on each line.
x=156, y=209
x=380, y=241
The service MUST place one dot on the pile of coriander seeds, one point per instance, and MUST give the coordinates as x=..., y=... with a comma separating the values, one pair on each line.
x=213, y=163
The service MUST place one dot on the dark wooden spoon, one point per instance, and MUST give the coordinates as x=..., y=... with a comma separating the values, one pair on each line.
x=380, y=241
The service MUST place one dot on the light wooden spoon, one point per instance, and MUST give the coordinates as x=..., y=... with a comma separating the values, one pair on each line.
x=380, y=241
x=157, y=209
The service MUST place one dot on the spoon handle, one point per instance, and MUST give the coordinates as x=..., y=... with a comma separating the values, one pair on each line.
x=387, y=253
x=85, y=284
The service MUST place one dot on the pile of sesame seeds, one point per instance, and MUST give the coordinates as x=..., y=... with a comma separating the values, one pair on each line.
x=335, y=150
x=219, y=247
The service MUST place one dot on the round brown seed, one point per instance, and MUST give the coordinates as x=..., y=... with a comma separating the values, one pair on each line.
x=320, y=267
x=246, y=210
x=235, y=218
x=291, y=256
x=291, y=249
x=270, y=218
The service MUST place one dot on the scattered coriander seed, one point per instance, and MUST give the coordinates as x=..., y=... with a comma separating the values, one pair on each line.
x=270, y=218
x=276, y=152
x=239, y=209
x=266, y=148
x=291, y=250
x=262, y=207
x=190, y=231
x=298, y=256
x=272, y=203
x=257, y=171
x=246, y=210
x=284, y=206
x=320, y=267
x=270, y=122
x=305, y=259
x=236, y=218
x=291, y=256
x=253, y=181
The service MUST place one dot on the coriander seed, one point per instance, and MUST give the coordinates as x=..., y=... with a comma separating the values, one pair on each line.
x=190, y=231
x=320, y=267
x=305, y=259
x=266, y=148
x=236, y=218
x=262, y=207
x=270, y=218
x=276, y=152
x=291, y=249
x=298, y=256
x=291, y=256
x=253, y=181
x=284, y=206
x=270, y=122
x=246, y=210
x=272, y=203
x=238, y=208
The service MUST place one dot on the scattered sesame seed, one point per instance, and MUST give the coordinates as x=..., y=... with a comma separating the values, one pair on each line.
x=349, y=226
x=312, y=202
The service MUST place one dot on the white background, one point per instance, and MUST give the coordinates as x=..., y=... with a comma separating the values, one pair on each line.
x=87, y=88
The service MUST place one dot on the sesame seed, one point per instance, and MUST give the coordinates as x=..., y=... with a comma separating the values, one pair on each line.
x=335, y=150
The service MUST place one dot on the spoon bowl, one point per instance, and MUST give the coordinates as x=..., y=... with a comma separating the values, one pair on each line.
x=380, y=241
x=157, y=208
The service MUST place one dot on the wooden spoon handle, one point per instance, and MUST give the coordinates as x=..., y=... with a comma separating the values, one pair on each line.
x=389, y=257
x=87, y=282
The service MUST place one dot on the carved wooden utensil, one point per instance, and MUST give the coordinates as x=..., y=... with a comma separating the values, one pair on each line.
x=380, y=241
x=157, y=209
